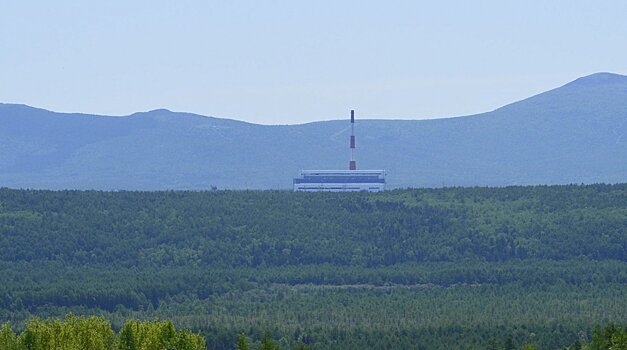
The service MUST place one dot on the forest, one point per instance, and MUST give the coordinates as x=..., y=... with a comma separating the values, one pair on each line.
x=448, y=268
x=95, y=333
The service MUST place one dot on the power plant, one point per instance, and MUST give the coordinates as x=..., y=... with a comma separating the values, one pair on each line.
x=342, y=180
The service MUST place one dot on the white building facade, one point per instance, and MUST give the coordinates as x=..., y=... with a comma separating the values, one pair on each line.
x=340, y=180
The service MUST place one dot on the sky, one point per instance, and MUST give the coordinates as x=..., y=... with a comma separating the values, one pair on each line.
x=288, y=62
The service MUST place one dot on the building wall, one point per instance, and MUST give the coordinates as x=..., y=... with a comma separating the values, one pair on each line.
x=340, y=181
x=339, y=187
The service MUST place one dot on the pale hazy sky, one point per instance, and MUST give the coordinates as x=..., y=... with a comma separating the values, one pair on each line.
x=277, y=62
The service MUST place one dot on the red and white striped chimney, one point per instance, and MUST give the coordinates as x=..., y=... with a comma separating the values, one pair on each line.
x=352, y=165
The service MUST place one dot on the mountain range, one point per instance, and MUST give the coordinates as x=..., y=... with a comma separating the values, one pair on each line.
x=576, y=133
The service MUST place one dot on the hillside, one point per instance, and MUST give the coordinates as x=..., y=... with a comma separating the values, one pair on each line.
x=574, y=134
x=276, y=228
x=450, y=268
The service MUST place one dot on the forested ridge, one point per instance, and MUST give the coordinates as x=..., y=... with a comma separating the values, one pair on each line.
x=416, y=268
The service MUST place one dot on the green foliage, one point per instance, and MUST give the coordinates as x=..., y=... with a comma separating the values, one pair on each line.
x=95, y=333
x=301, y=346
x=433, y=269
x=619, y=340
x=242, y=343
x=126, y=339
x=529, y=347
x=8, y=340
x=157, y=229
x=267, y=343
x=156, y=336
x=609, y=337
x=74, y=333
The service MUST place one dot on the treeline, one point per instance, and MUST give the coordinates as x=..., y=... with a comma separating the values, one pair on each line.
x=609, y=337
x=28, y=286
x=279, y=228
x=95, y=333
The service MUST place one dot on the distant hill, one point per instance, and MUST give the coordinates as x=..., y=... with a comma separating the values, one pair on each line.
x=573, y=134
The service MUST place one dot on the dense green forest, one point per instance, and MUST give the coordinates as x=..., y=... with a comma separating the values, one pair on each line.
x=451, y=268
x=95, y=333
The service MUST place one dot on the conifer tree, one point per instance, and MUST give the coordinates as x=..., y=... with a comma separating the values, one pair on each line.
x=242, y=343
x=267, y=343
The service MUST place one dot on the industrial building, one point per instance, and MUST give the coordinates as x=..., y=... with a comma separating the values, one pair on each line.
x=342, y=180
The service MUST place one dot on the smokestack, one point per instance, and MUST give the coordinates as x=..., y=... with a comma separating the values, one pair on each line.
x=352, y=165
